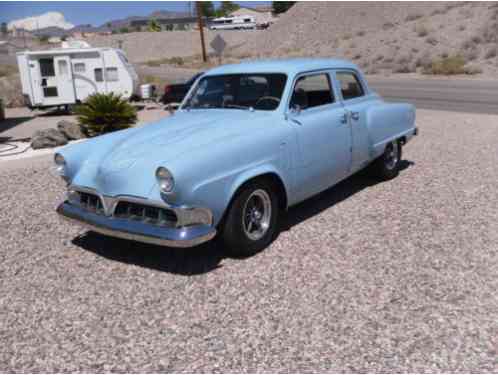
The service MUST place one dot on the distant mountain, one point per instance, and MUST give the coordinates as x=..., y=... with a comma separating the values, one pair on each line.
x=126, y=22
x=43, y=21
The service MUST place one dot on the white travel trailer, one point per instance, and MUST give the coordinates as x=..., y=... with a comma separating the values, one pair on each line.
x=233, y=23
x=66, y=76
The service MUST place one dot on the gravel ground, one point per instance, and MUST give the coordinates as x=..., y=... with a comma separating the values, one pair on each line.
x=384, y=277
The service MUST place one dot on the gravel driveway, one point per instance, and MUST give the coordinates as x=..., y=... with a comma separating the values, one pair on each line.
x=383, y=277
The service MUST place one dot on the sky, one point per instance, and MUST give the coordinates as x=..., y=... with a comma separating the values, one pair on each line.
x=94, y=12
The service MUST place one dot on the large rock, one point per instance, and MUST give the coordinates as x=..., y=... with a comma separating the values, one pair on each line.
x=48, y=138
x=70, y=129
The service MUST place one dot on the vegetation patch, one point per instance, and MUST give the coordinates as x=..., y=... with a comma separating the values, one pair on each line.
x=105, y=113
x=446, y=66
x=7, y=70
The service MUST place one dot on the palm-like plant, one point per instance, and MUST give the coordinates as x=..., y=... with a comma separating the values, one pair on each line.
x=104, y=113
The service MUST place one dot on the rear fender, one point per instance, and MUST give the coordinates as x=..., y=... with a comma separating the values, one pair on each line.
x=387, y=122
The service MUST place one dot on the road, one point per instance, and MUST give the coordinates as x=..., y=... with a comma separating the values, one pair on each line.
x=473, y=96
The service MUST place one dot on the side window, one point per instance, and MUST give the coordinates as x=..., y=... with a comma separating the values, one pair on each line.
x=63, y=70
x=79, y=67
x=98, y=75
x=350, y=85
x=312, y=91
x=111, y=74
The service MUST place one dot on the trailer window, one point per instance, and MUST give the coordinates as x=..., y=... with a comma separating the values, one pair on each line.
x=47, y=67
x=99, y=77
x=63, y=71
x=79, y=68
x=111, y=74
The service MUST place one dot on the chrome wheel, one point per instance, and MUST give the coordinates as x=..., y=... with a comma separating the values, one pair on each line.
x=256, y=215
x=392, y=155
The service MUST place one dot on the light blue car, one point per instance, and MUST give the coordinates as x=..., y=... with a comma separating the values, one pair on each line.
x=249, y=141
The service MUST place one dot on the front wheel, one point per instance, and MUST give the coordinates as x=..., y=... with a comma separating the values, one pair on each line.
x=252, y=219
x=386, y=166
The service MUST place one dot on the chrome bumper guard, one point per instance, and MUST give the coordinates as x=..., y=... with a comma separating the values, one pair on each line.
x=136, y=230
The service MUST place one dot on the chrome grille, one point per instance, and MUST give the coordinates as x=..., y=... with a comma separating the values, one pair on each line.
x=148, y=214
x=90, y=202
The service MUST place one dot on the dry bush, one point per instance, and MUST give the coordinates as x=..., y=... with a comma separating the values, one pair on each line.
x=378, y=58
x=438, y=11
x=404, y=68
x=413, y=17
x=421, y=30
x=476, y=39
x=462, y=27
x=492, y=52
x=424, y=61
x=7, y=70
x=472, y=69
x=357, y=56
x=347, y=36
x=360, y=33
x=447, y=66
x=490, y=32
x=404, y=59
x=431, y=40
x=387, y=26
x=471, y=54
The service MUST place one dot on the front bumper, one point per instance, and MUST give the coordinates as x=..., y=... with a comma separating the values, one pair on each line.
x=187, y=236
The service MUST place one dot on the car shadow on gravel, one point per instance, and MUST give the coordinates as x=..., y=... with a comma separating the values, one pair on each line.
x=207, y=257
x=336, y=194
x=190, y=261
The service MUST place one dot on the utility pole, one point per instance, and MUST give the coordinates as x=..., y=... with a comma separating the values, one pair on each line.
x=199, y=21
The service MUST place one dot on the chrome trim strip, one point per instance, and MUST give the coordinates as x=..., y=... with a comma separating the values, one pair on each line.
x=137, y=231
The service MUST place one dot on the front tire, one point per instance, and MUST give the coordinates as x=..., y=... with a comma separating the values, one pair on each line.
x=386, y=166
x=251, y=223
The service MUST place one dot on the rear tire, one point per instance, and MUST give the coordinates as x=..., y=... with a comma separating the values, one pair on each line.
x=386, y=166
x=251, y=223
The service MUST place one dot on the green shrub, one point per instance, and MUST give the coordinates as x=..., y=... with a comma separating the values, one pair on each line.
x=104, y=113
x=447, y=66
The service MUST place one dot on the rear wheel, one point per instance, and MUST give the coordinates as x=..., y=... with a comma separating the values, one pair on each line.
x=386, y=166
x=252, y=219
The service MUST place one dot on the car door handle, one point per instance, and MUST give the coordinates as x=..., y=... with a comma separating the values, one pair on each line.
x=344, y=118
x=355, y=116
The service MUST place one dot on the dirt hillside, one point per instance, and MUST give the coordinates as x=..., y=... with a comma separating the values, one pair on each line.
x=386, y=36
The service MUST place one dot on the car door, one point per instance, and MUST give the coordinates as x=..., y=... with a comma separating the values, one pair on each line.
x=323, y=135
x=355, y=99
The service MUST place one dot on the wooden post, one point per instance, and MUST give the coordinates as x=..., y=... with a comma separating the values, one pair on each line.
x=199, y=21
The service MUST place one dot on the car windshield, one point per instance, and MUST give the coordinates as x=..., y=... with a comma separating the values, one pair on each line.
x=259, y=91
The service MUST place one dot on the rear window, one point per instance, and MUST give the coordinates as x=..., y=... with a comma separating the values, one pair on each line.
x=350, y=85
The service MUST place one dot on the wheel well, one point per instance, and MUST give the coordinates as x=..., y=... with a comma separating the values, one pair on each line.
x=274, y=179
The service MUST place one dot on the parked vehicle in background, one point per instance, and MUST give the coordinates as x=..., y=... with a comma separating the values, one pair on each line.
x=233, y=23
x=250, y=140
x=66, y=76
x=175, y=93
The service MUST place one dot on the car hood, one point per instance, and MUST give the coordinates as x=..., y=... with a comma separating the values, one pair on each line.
x=135, y=157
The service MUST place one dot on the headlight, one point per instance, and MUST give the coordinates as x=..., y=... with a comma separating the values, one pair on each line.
x=60, y=163
x=165, y=180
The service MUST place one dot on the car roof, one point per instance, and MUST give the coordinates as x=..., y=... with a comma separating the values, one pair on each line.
x=288, y=66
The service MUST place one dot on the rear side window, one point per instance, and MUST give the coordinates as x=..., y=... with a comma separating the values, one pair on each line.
x=350, y=85
x=312, y=91
x=79, y=67
x=99, y=77
x=111, y=74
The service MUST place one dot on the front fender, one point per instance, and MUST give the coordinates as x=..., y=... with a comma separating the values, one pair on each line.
x=217, y=193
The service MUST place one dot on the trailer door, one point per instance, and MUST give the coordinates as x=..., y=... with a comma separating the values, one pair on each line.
x=56, y=81
x=65, y=81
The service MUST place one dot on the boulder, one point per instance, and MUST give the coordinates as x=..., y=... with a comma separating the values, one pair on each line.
x=70, y=129
x=48, y=138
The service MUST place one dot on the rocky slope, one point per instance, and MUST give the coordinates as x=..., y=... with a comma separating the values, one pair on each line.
x=386, y=36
